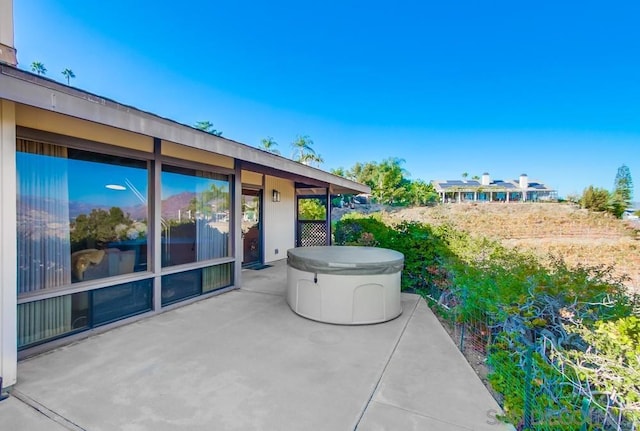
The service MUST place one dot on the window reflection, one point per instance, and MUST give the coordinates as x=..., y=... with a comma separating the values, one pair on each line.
x=195, y=216
x=81, y=215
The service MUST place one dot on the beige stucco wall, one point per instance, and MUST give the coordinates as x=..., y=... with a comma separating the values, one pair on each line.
x=279, y=219
x=8, y=263
x=178, y=151
x=252, y=178
x=48, y=121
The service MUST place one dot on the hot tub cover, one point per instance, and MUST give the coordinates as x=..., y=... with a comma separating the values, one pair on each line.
x=348, y=260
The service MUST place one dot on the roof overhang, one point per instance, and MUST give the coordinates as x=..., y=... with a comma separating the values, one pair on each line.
x=29, y=89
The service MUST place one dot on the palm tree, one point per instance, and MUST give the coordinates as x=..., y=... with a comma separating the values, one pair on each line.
x=68, y=73
x=268, y=144
x=339, y=172
x=465, y=175
x=207, y=126
x=476, y=177
x=38, y=68
x=302, y=149
x=311, y=159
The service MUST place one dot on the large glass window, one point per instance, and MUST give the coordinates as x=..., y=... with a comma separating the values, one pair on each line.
x=187, y=284
x=81, y=215
x=195, y=216
x=48, y=319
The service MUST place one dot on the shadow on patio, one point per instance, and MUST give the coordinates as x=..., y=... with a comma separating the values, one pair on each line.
x=244, y=361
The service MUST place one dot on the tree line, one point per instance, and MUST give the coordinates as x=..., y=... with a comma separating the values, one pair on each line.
x=390, y=183
x=613, y=202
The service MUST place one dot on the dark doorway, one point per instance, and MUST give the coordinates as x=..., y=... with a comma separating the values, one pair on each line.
x=251, y=227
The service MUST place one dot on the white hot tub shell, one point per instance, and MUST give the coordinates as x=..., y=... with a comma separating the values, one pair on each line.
x=344, y=285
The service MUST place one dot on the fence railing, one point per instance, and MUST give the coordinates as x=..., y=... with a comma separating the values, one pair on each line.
x=535, y=382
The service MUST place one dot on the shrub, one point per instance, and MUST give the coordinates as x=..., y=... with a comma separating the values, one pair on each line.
x=581, y=311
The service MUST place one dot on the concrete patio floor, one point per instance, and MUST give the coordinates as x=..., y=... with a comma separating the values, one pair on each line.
x=244, y=361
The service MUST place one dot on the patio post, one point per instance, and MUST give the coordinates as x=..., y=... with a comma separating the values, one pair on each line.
x=8, y=245
x=236, y=224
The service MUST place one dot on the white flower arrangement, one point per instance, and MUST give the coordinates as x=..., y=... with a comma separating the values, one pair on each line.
x=132, y=232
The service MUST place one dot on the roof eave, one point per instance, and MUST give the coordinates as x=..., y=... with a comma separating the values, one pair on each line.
x=29, y=89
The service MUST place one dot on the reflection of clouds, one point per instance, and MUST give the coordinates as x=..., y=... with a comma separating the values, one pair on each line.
x=36, y=225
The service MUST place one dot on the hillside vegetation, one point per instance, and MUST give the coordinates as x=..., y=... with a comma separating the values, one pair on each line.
x=577, y=235
x=558, y=343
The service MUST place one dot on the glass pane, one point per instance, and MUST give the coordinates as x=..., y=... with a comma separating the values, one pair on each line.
x=180, y=286
x=81, y=215
x=124, y=300
x=217, y=277
x=251, y=237
x=195, y=216
x=52, y=318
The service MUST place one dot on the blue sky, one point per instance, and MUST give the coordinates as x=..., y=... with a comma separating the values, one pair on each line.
x=551, y=89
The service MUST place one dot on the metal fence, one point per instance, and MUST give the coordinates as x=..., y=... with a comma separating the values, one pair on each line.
x=536, y=383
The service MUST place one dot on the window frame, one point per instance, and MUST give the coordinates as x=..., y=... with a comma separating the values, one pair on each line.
x=99, y=148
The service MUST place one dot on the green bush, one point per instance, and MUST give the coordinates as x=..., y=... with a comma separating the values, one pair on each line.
x=311, y=209
x=516, y=298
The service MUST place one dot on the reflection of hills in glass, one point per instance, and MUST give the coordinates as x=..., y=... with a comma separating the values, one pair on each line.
x=136, y=212
x=36, y=210
x=178, y=206
x=51, y=210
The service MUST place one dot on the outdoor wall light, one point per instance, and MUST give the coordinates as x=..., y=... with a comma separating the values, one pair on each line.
x=275, y=196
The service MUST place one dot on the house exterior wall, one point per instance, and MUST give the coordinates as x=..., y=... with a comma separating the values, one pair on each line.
x=89, y=129
x=252, y=178
x=53, y=129
x=8, y=262
x=279, y=218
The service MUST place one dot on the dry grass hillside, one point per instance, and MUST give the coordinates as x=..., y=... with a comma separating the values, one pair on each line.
x=579, y=236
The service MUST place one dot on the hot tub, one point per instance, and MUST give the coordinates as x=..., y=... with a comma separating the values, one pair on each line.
x=344, y=285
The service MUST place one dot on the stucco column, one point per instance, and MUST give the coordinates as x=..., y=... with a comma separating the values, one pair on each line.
x=8, y=235
x=7, y=49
